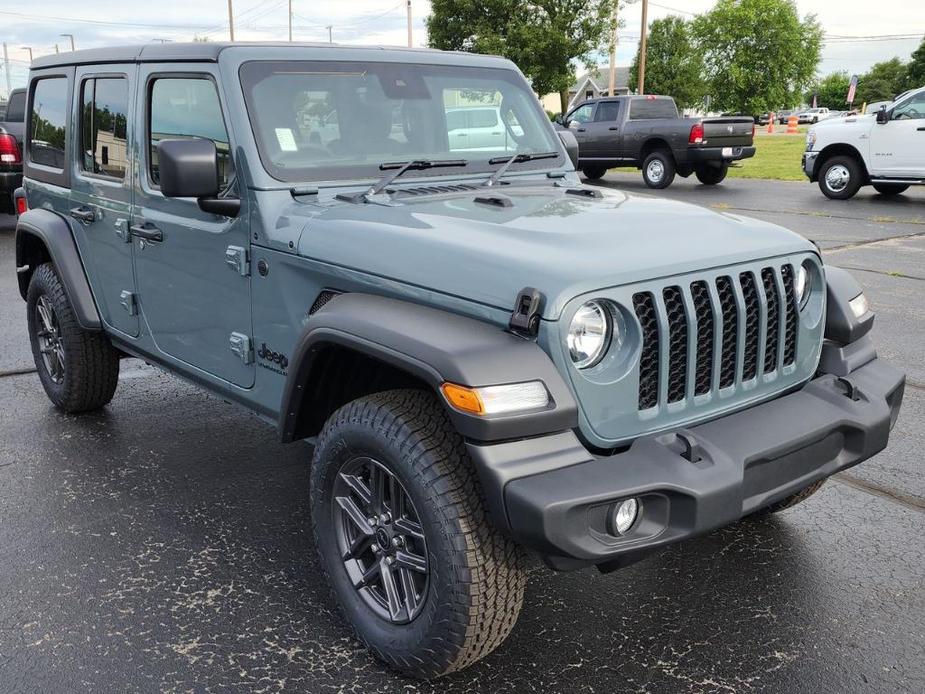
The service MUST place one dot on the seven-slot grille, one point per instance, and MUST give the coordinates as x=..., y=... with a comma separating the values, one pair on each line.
x=743, y=316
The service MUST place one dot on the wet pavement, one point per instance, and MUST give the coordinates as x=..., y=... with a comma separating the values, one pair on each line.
x=162, y=545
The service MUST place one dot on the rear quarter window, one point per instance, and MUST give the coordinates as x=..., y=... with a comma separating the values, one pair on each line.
x=652, y=108
x=16, y=108
x=48, y=123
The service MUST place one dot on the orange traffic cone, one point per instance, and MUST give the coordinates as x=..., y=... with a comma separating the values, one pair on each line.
x=771, y=119
x=792, y=125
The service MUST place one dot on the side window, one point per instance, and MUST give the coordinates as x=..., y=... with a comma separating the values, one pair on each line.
x=607, y=111
x=48, y=126
x=582, y=114
x=183, y=108
x=16, y=108
x=103, y=141
x=913, y=108
x=483, y=118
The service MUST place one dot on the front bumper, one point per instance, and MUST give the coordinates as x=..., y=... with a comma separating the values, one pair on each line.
x=552, y=495
x=809, y=164
x=9, y=182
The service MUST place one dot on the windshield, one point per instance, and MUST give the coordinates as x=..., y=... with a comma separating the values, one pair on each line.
x=341, y=120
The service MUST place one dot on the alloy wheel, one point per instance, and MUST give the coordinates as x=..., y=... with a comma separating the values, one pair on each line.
x=48, y=334
x=381, y=540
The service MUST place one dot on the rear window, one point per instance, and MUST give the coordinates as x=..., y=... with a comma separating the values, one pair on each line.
x=103, y=106
x=653, y=108
x=16, y=108
x=48, y=128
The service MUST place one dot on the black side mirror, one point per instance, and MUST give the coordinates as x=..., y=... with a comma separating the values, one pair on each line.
x=189, y=169
x=571, y=145
x=883, y=116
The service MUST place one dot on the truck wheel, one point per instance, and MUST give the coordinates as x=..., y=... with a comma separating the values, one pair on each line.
x=793, y=499
x=711, y=175
x=592, y=173
x=658, y=169
x=890, y=188
x=840, y=177
x=79, y=369
x=425, y=579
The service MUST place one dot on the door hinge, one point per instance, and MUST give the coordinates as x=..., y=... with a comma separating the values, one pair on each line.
x=122, y=230
x=236, y=259
x=127, y=299
x=240, y=344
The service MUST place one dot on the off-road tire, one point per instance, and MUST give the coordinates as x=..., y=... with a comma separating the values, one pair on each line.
x=794, y=499
x=668, y=169
x=850, y=167
x=476, y=586
x=91, y=363
x=592, y=173
x=711, y=175
x=890, y=188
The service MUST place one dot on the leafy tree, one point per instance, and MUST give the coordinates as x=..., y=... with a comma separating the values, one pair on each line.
x=882, y=82
x=915, y=72
x=759, y=54
x=674, y=62
x=544, y=37
x=831, y=91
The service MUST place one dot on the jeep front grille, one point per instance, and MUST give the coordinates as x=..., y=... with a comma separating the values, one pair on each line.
x=697, y=338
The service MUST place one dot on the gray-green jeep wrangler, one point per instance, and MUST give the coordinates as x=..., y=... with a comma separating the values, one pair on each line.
x=388, y=252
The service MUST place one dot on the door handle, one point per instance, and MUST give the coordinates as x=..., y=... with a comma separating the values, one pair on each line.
x=581, y=130
x=83, y=214
x=922, y=129
x=613, y=127
x=146, y=231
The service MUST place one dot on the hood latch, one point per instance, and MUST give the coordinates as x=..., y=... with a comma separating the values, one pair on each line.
x=525, y=320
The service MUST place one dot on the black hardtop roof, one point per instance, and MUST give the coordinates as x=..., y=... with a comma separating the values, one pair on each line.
x=181, y=52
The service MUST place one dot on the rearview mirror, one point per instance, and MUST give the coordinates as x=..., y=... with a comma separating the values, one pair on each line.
x=883, y=116
x=189, y=169
x=571, y=145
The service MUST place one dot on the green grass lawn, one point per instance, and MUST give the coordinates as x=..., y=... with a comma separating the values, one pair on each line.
x=776, y=157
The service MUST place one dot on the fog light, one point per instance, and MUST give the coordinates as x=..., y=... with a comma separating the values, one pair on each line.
x=624, y=516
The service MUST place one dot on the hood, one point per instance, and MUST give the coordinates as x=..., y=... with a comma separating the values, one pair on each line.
x=562, y=244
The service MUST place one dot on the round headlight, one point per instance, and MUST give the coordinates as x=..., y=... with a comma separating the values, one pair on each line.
x=803, y=286
x=589, y=334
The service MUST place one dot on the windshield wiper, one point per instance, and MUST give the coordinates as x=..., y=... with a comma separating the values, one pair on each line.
x=403, y=166
x=516, y=159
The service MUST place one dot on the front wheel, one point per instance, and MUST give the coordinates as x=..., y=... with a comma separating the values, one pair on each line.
x=711, y=175
x=793, y=499
x=592, y=173
x=890, y=188
x=658, y=169
x=840, y=177
x=425, y=579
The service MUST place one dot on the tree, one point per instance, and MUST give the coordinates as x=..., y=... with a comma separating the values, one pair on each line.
x=830, y=91
x=758, y=54
x=544, y=37
x=674, y=63
x=915, y=72
x=883, y=81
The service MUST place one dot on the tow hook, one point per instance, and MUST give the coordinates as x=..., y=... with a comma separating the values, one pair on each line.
x=851, y=390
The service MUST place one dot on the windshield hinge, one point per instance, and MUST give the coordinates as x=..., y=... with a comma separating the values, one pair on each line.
x=525, y=320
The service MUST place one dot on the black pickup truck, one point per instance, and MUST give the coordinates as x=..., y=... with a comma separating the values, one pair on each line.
x=11, y=133
x=647, y=132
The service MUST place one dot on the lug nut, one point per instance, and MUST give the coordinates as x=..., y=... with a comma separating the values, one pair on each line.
x=390, y=560
x=375, y=548
x=385, y=518
x=398, y=541
x=372, y=520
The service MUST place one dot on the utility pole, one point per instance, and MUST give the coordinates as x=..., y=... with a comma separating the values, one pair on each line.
x=56, y=48
x=329, y=27
x=6, y=68
x=27, y=48
x=409, y=24
x=290, y=21
x=642, y=48
x=71, y=37
x=230, y=21
x=613, y=50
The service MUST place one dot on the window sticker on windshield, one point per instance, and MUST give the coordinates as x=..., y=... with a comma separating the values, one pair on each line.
x=286, y=140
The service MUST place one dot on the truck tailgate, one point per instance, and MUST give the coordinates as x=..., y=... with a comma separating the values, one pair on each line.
x=727, y=132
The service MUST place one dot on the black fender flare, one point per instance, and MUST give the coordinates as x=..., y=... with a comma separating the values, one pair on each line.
x=434, y=346
x=841, y=325
x=54, y=233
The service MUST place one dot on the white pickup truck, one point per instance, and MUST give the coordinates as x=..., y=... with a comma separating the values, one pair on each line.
x=885, y=149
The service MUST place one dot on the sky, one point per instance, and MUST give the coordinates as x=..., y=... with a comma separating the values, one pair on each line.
x=97, y=23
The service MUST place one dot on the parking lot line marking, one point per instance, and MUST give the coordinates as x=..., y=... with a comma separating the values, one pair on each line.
x=17, y=372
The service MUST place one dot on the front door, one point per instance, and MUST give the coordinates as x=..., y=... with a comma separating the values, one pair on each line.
x=101, y=190
x=897, y=147
x=196, y=304
x=604, y=139
x=577, y=122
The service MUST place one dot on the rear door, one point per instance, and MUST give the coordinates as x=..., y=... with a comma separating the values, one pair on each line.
x=101, y=189
x=194, y=301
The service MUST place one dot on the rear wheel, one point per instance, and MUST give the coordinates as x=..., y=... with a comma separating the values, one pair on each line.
x=711, y=175
x=79, y=369
x=840, y=177
x=658, y=169
x=890, y=188
x=592, y=173
x=425, y=579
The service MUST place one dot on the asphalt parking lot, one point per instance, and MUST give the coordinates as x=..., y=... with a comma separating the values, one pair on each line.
x=163, y=544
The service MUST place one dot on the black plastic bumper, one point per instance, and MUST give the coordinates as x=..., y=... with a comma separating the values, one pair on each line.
x=697, y=155
x=554, y=496
x=9, y=182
